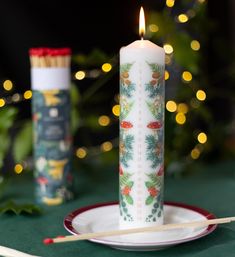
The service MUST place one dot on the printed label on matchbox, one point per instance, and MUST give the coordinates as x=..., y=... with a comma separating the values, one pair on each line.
x=51, y=109
x=52, y=145
x=54, y=123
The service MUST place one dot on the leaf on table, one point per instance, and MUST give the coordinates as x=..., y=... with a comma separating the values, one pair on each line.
x=15, y=208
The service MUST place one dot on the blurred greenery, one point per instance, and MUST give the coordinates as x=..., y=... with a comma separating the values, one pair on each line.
x=7, y=118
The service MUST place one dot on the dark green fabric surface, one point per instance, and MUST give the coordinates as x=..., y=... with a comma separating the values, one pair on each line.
x=211, y=187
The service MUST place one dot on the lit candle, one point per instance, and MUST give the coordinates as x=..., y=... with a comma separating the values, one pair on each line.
x=141, y=153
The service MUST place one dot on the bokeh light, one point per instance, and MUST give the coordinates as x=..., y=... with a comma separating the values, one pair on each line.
x=80, y=75
x=187, y=76
x=195, y=153
x=104, y=120
x=2, y=102
x=180, y=118
x=18, y=168
x=171, y=106
x=167, y=75
x=81, y=152
x=182, y=18
x=153, y=28
x=106, y=67
x=168, y=48
x=106, y=146
x=170, y=3
x=28, y=94
x=195, y=45
x=201, y=95
x=7, y=85
x=116, y=110
x=202, y=138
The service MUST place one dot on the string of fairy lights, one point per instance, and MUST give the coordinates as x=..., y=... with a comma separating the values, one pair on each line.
x=180, y=109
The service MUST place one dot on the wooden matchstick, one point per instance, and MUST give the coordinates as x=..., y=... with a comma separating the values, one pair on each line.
x=203, y=223
x=50, y=57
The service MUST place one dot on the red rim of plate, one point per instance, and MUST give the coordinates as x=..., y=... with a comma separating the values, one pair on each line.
x=69, y=227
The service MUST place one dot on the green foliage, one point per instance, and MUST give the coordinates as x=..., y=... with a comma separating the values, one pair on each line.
x=123, y=208
x=156, y=68
x=155, y=181
x=125, y=110
x=130, y=184
x=155, y=86
x=156, y=112
x=149, y=200
x=124, y=179
x=157, y=207
x=11, y=206
x=125, y=194
x=149, y=184
x=129, y=199
x=7, y=118
x=126, y=86
x=180, y=39
x=22, y=146
x=152, y=145
x=127, y=90
x=127, y=153
x=94, y=59
x=125, y=67
x=75, y=99
x=153, y=92
x=3, y=185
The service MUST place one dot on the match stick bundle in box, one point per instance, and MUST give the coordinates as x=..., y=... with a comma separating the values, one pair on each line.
x=50, y=81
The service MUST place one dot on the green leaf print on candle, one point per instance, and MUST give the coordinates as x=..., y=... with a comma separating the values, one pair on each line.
x=126, y=85
x=126, y=185
x=154, y=86
x=154, y=185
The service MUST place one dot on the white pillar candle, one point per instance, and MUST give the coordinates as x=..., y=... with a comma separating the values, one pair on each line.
x=141, y=153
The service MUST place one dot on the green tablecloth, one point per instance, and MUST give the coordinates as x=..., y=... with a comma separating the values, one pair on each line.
x=211, y=187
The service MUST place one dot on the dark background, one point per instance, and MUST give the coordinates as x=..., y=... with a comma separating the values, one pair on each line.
x=81, y=25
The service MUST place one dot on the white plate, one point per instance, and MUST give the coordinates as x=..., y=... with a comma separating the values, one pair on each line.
x=104, y=217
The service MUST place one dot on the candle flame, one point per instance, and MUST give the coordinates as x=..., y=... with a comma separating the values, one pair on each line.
x=141, y=23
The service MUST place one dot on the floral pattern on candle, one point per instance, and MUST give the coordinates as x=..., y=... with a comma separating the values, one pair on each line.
x=141, y=143
x=126, y=199
x=154, y=185
x=126, y=86
x=156, y=107
x=155, y=142
x=154, y=151
x=126, y=107
x=126, y=143
x=154, y=86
